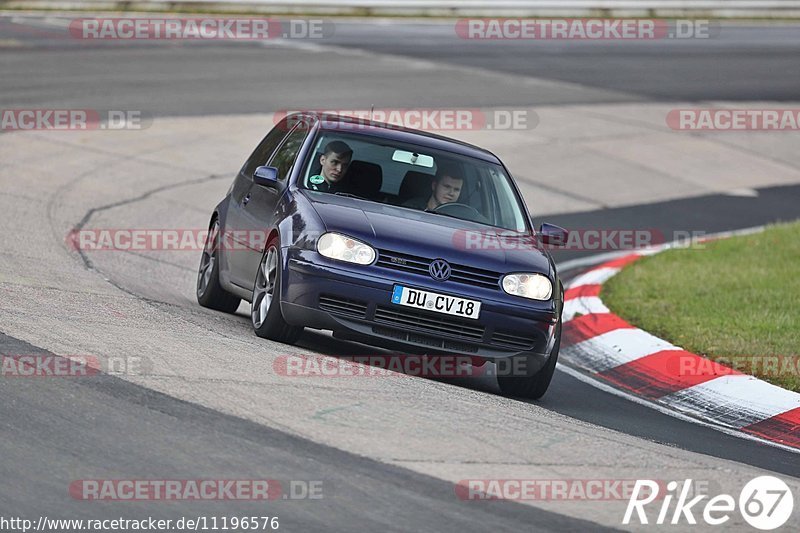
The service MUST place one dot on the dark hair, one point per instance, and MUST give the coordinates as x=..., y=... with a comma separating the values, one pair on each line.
x=443, y=171
x=338, y=147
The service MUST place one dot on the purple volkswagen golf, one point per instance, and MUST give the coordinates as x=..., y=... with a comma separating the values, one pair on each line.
x=391, y=237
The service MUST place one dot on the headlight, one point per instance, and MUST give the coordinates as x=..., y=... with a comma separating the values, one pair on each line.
x=533, y=286
x=343, y=248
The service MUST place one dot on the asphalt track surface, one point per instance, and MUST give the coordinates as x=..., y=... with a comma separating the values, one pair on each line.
x=744, y=62
x=109, y=426
x=359, y=494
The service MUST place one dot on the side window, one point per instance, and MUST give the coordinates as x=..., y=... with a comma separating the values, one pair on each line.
x=284, y=158
x=264, y=150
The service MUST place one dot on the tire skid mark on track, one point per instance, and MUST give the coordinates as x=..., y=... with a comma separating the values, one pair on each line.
x=157, y=260
x=89, y=265
x=91, y=212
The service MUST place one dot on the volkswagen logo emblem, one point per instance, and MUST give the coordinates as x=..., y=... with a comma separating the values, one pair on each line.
x=439, y=270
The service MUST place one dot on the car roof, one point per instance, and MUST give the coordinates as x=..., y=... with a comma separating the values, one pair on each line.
x=330, y=122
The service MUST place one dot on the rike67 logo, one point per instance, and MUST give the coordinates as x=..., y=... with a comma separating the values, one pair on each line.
x=765, y=503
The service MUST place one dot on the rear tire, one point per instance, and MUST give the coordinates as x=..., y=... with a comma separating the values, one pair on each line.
x=534, y=386
x=209, y=292
x=265, y=310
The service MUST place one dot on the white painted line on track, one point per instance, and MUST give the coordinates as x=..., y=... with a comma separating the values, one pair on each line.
x=736, y=401
x=580, y=376
x=619, y=347
x=583, y=305
x=598, y=276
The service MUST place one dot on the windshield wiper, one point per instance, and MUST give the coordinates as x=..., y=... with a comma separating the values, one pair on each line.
x=349, y=195
x=482, y=220
x=446, y=215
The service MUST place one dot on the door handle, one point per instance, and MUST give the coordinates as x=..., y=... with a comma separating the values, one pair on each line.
x=246, y=199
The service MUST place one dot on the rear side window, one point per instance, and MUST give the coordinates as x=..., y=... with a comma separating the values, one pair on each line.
x=264, y=151
x=285, y=156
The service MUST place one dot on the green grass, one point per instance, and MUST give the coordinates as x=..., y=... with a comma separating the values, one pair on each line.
x=726, y=300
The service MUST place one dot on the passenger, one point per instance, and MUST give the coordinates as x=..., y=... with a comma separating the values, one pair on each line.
x=334, y=160
x=445, y=189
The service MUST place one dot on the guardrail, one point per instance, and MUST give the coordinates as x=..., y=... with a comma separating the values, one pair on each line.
x=766, y=8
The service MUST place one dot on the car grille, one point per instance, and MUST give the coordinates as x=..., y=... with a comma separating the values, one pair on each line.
x=429, y=324
x=513, y=340
x=343, y=306
x=421, y=328
x=426, y=340
x=419, y=265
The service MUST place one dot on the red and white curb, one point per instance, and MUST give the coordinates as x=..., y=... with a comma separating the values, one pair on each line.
x=630, y=359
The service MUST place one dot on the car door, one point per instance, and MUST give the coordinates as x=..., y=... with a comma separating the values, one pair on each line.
x=258, y=207
x=235, y=242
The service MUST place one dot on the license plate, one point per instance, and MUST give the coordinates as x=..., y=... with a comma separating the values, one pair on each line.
x=439, y=303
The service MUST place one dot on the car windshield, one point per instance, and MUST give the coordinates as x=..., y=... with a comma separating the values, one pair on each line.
x=413, y=177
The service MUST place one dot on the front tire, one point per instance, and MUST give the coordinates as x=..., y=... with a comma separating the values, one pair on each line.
x=209, y=292
x=265, y=310
x=534, y=386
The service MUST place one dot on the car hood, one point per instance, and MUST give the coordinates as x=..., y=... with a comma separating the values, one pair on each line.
x=413, y=232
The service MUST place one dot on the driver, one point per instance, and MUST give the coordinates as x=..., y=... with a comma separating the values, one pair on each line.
x=445, y=189
x=334, y=162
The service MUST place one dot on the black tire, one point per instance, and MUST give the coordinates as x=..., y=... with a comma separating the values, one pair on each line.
x=534, y=386
x=265, y=309
x=209, y=292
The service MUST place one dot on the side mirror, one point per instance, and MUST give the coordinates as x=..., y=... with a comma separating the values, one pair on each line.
x=553, y=235
x=266, y=176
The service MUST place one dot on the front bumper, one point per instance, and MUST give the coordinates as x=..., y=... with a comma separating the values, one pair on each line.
x=354, y=302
